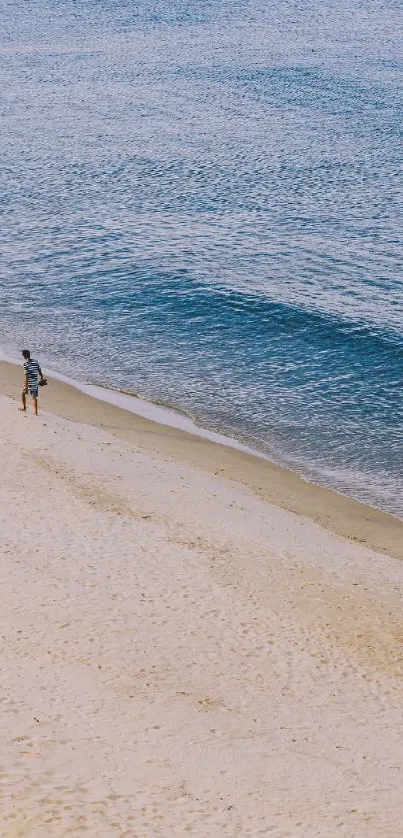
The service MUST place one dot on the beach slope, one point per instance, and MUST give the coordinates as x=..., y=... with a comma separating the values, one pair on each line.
x=181, y=655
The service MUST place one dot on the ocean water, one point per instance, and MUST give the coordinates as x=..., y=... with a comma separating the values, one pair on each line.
x=202, y=203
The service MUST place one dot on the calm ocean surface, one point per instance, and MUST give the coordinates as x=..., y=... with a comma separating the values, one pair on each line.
x=202, y=202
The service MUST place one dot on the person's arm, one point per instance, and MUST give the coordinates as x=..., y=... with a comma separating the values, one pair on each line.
x=25, y=387
x=40, y=373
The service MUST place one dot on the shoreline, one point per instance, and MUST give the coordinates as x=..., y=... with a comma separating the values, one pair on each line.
x=275, y=484
x=174, y=416
x=169, y=415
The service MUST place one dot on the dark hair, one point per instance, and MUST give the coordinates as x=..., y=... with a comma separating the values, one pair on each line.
x=26, y=354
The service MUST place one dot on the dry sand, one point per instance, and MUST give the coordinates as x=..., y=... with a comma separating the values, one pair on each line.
x=180, y=655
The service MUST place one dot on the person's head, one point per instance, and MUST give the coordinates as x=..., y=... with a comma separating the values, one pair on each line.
x=26, y=354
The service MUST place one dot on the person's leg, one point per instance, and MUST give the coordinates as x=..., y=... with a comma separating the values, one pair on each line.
x=24, y=402
x=34, y=396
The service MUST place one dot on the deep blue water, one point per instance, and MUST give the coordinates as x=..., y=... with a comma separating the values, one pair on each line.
x=202, y=202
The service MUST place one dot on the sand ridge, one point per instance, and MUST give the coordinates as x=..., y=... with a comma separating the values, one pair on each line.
x=181, y=657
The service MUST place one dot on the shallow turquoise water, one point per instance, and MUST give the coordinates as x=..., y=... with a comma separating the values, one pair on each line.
x=203, y=204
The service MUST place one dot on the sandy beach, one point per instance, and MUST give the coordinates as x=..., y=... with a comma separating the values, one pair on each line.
x=194, y=641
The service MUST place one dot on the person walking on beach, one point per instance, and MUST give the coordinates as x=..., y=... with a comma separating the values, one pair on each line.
x=33, y=377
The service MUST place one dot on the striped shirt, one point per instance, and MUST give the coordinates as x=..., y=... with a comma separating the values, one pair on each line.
x=33, y=371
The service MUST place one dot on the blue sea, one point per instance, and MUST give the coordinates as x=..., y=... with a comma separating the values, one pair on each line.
x=201, y=202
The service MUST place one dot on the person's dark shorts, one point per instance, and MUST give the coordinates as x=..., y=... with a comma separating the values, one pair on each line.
x=33, y=391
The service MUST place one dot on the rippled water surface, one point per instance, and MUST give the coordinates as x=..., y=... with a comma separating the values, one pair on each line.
x=202, y=202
